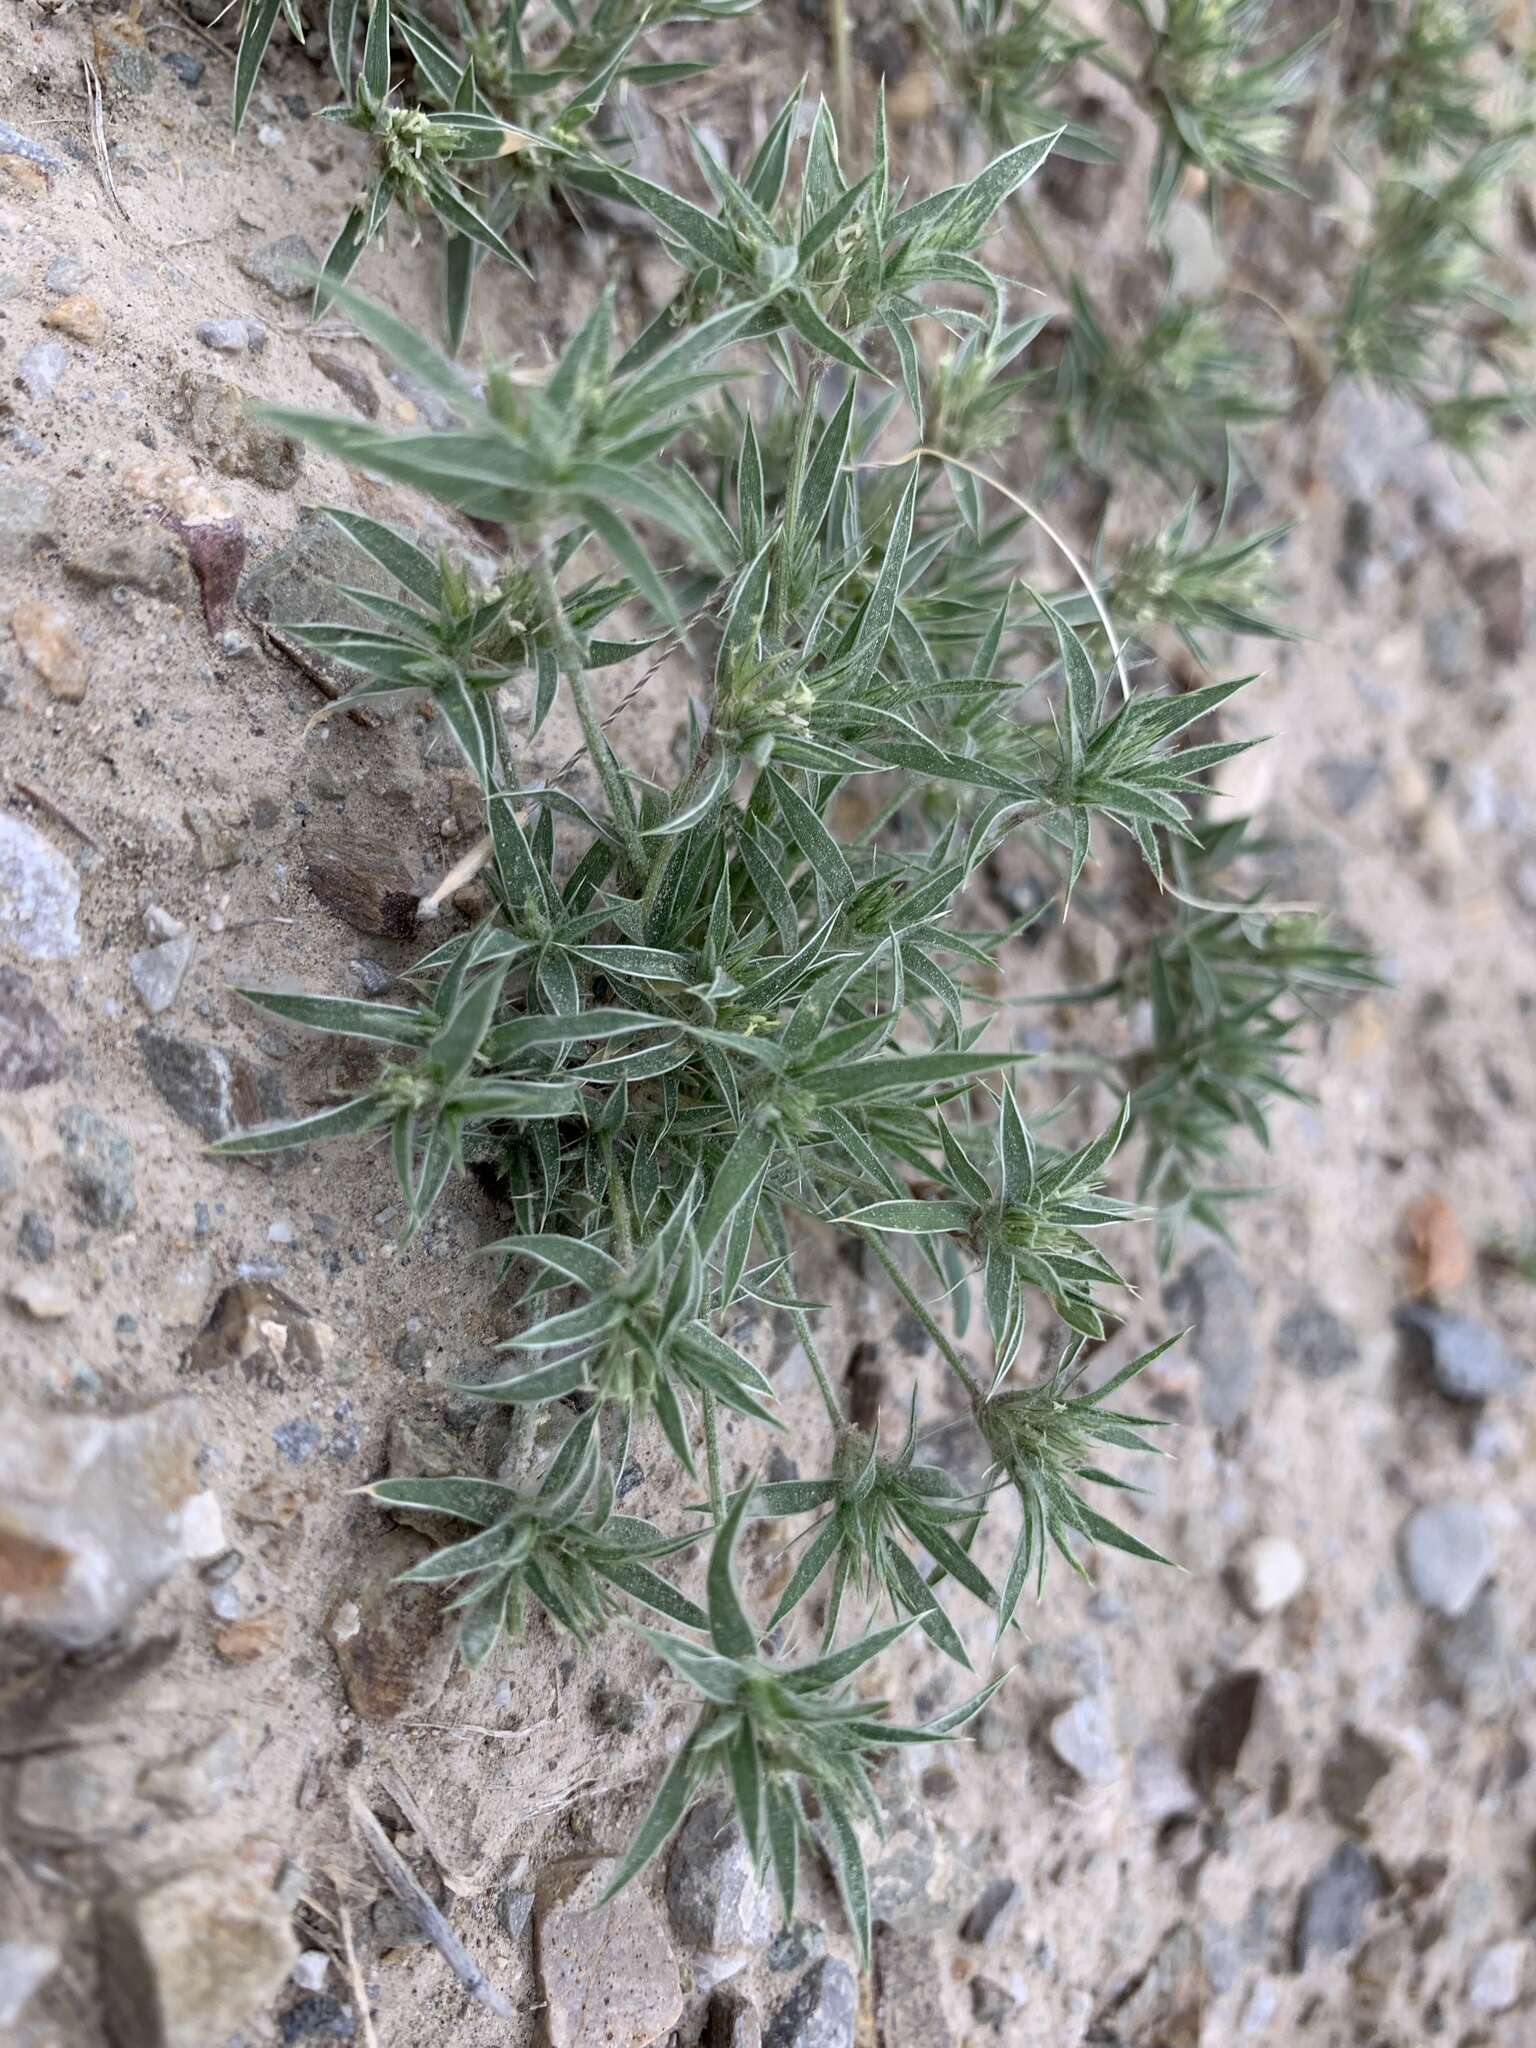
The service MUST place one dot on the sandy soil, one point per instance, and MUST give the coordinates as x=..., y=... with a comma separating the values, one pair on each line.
x=1408, y=695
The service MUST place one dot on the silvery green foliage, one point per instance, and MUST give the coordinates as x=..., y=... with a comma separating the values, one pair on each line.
x=703, y=1013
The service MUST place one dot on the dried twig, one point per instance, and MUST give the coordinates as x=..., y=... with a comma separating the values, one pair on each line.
x=397, y=1874
x=354, y=1973
x=99, y=136
x=51, y=804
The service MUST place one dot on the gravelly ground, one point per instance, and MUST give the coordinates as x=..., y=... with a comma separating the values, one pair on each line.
x=1361, y=1873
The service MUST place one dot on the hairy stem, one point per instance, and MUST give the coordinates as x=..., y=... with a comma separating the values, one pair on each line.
x=914, y=1301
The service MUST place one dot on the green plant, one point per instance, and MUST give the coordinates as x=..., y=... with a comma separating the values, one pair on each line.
x=777, y=1734
x=746, y=994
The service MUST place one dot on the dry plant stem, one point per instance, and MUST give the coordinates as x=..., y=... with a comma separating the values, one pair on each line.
x=842, y=81
x=914, y=1301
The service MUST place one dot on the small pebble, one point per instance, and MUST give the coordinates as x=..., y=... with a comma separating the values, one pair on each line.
x=311, y=1969
x=233, y=337
x=1494, y=1984
x=40, y=369
x=1447, y=1554
x=185, y=66
x=1083, y=1739
x=1268, y=1574
x=64, y=276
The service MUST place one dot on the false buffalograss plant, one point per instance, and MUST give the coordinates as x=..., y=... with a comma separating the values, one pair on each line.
x=731, y=1004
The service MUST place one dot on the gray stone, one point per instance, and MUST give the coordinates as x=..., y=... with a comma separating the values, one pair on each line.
x=39, y=894
x=433, y=408
x=188, y=1960
x=286, y=267
x=98, y=1168
x=992, y=2004
x=317, y=2018
x=1347, y=783
x=514, y=1910
x=25, y=1967
x=1317, y=1342
x=908, y=1869
x=795, y=1946
x=312, y=1969
x=993, y=1911
x=732, y=2022
x=14, y=143
x=1160, y=1786
x=91, y=1516
x=1447, y=1554
x=821, y=2012
x=183, y=65
x=606, y=1973
x=212, y=1091
x=1495, y=1979
x=909, y=1999
x=1167, y=2002
x=27, y=517
x=718, y=1907
x=396, y=1926
x=68, y=1798
x=1451, y=647
x=1082, y=1737
x=64, y=275
x=1213, y=1294
x=298, y=1441
x=1464, y=1358
x=35, y=1241
x=196, y=1783
x=1331, y=1913
x=298, y=583
x=217, y=843
x=1474, y=1656
x=232, y=337
x=41, y=368
x=157, y=972
x=31, y=1043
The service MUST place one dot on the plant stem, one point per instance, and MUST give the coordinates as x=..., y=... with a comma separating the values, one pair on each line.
x=712, y=1455
x=623, y=1234
x=568, y=656
x=803, y=1332
x=914, y=1301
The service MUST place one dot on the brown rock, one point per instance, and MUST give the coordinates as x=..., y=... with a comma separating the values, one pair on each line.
x=189, y=1960
x=31, y=1043
x=607, y=1974
x=49, y=644
x=1498, y=586
x=1238, y=1738
x=365, y=883
x=91, y=1513
x=1438, y=1255
x=216, y=550
x=143, y=558
x=22, y=175
x=1168, y=2001
x=257, y=1326
x=252, y=1637
x=348, y=378
x=394, y=1644
x=79, y=317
